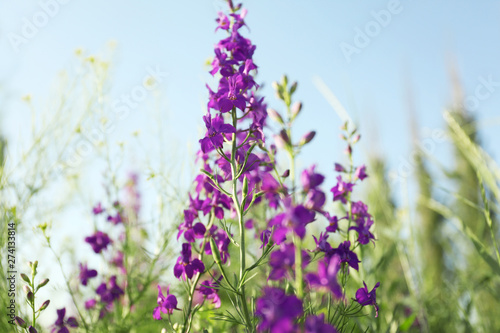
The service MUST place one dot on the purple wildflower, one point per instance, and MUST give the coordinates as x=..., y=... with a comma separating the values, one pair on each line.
x=346, y=255
x=363, y=229
x=295, y=218
x=327, y=276
x=209, y=290
x=214, y=138
x=98, y=209
x=166, y=304
x=360, y=173
x=99, y=241
x=341, y=190
x=86, y=274
x=109, y=292
x=316, y=324
x=60, y=324
x=186, y=267
x=283, y=261
x=277, y=311
x=364, y=297
x=310, y=179
x=90, y=304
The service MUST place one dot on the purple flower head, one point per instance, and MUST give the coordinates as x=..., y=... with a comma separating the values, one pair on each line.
x=359, y=211
x=341, y=190
x=360, y=173
x=363, y=229
x=310, y=179
x=116, y=219
x=333, y=222
x=295, y=218
x=346, y=255
x=99, y=241
x=277, y=311
x=327, y=276
x=283, y=260
x=86, y=274
x=322, y=243
x=60, y=326
x=364, y=297
x=232, y=96
x=316, y=324
x=222, y=21
x=315, y=200
x=222, y=241
x=166, y=304
x=109, y=292
x=186, y=267
x=209, y=288
x=98, y=209
x=214, y=137
x=90, y=304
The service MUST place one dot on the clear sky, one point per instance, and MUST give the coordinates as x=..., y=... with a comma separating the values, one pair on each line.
x=368, y=53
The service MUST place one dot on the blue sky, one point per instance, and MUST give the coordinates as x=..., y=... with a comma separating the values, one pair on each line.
x=412, y=50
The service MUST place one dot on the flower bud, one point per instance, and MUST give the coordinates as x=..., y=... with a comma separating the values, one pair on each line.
x=307, y=138
x=244, y=190
x=31, y=297
x=25, y=277
x=31, y=329
x=43, y=283
x=26, y=289
x=20, y=322
x=274, y=115
x=44, y=305
x=286, y=173
x=215, y=252
x=293, y=87
x=348, y=150
x=344, y=126
x=282, y=140
x=284, y=81
x=356, y=138
x=296, y=108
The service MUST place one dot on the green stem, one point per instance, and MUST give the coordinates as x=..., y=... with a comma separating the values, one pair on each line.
x=239, y=211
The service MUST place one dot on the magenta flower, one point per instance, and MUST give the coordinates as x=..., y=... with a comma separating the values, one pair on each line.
x=341, y=190
x=222, y=21
x=214, y=137
x=346, y=255
x=90, y=304
x=99, y=241
x=322, y=243
x=333, y=222
x=316, y=324
x=86, y=274
x=327, y=276
x=166, y=304
x=186, y=267
x=60, y=326
x=232, y=96
x=277, y=311
x=295, y=218
x=360, y=173
x=98, y=209
x=310, y=179
x=109, y=292
x=283, y=261
x=364, y=297
x=363, y=229
x=209, y=288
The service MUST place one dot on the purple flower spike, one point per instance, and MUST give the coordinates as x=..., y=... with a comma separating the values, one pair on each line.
x=214, y=137
x=364, y=297
x=316, y=324
x=166, y=304
x=99, y=241
x=86, y=274
x=277, y=311
x=327, y=276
